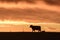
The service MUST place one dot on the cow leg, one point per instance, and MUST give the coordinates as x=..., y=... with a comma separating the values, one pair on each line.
x=32, y=30
x=39, y=30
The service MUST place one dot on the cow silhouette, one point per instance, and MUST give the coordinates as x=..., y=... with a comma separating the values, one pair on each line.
x=35, y=28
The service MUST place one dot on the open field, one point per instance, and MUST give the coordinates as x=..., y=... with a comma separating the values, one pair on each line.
x=26, y=28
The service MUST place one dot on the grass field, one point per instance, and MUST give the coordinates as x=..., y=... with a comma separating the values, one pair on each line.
x=51, y=27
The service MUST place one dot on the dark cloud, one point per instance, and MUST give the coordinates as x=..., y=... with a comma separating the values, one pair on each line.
x=30, y=15
x=16, y=1
x=52, y=2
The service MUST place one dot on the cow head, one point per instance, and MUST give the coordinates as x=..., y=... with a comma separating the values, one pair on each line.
x=31, y=26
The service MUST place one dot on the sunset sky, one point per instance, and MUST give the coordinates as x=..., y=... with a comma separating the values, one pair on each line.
x=29, y=12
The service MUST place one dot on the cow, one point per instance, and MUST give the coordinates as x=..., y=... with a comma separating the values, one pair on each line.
x=35, y=28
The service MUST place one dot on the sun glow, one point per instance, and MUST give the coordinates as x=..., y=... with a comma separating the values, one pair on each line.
x=19, y=22
x=13, y=22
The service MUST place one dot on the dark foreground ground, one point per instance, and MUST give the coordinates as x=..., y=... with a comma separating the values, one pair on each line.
x=30, y=35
